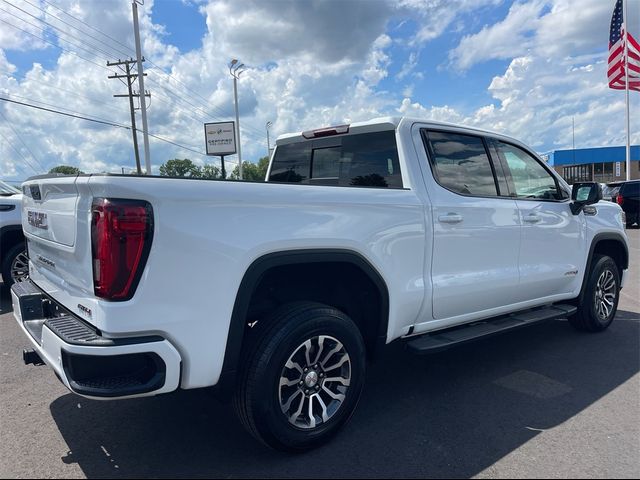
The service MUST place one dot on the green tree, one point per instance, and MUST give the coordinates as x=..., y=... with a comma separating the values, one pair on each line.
x=252, y=172
x=180, y=168
x=66, y=170
x=210, y=172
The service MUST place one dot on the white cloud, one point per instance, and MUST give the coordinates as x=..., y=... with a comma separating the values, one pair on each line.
x=511, y=37
x=536, y=100
x=309, y=64
x=435, y=16
x=322, y=32
x=409, y=66
x=18, y=27
x=548, y=28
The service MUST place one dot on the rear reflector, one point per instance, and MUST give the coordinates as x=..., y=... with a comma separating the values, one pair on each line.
x=326, y=132
x=121, y=234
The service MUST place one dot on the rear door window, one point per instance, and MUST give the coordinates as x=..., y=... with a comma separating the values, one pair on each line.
x=460, y=163
x=361, y=160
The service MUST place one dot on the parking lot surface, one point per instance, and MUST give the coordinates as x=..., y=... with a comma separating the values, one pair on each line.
x=545, y=401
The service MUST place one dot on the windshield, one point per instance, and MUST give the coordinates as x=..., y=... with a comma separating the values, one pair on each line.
x=6, y=189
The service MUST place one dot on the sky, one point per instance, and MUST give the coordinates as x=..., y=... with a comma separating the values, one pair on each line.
x=527, y=69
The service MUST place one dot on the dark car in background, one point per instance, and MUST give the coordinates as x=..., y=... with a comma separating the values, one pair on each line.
x=610, y=190
x=628, y=197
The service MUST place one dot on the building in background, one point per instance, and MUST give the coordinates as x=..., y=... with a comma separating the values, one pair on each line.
x=601, y=164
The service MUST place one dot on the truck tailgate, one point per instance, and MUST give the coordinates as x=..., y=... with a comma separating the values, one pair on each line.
x=55, y=219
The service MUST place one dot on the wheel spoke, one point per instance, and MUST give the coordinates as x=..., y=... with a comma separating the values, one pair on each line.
x=343, y=381
x=307, y=351
x=336, y=365
x=609, y=281
x=330, y=354
x=297, y=413
x=285, y=382
x=287, y=406
x=325, y=415
x=605, y=310
x=320, y=349
x=291, y=364
x=312, y=419
x=336, y=396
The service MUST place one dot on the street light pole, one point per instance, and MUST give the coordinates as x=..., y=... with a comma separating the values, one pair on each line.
x=235, y=69
x=268, y=126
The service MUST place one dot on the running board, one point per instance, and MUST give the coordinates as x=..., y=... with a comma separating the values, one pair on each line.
x=443, y=339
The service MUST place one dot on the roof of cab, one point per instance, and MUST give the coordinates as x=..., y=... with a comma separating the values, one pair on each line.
x=384, y=123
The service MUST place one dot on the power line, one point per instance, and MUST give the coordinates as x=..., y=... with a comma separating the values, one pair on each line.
x=129, y=49
x=104, y=122
x=8, y=123
x=81, y=117
x=76, y=28
x=251, y=133
x=94, y=38
x=257, y=133
x=51, y=43
x=19, y=153
x=52, y=26
x=72, y=92
x=55, y=106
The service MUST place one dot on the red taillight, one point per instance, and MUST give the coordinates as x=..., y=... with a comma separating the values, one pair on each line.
x=121, y=234
x=619, y=199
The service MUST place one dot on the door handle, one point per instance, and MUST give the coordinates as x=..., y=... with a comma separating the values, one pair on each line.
x=450, y=218
x=532, y=218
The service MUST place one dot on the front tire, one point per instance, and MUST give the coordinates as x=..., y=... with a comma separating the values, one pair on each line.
x=15, y=266
x=302, y=378
x=601, y=295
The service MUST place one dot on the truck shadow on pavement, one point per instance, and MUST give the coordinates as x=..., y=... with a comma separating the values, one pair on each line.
x=447, y=415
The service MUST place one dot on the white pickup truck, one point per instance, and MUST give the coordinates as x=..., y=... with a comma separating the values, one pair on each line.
x=279, y=293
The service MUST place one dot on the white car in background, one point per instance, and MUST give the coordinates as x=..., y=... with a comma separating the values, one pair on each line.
x=14, y=262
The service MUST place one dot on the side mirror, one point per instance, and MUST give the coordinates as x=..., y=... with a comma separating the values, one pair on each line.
x=584, y=193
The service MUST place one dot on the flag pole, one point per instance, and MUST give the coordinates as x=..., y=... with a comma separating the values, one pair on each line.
x=626, y=86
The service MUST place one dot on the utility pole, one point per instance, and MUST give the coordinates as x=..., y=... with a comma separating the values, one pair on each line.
x=268, y=125
x=236, y=69
x=129, y=78
x=143, y=101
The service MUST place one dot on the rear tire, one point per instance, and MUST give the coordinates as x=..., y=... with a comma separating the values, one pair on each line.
x=302, y=377
x=600, y=299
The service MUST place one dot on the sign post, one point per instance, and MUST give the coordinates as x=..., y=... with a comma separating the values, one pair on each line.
x=220, y=140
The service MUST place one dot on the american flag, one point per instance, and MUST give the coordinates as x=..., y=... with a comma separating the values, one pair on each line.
x=616, y=72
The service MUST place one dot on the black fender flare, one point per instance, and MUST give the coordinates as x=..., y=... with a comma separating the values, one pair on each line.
x=10, y=229
x=254, y=275
x=594, y=242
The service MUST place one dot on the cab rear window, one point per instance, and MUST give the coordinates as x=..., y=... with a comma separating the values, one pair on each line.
x=361, y=160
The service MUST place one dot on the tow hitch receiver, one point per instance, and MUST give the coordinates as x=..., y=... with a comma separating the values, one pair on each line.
x=31, y=357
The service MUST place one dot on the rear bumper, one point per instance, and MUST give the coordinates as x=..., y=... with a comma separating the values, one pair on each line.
x=87, y=362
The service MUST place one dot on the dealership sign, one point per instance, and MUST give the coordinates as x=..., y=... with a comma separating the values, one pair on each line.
x=220, y=138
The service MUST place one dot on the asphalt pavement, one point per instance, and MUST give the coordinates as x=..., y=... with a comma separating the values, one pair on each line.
x=545, y=401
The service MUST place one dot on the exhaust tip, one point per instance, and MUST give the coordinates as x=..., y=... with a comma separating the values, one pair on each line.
x=31, y=357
